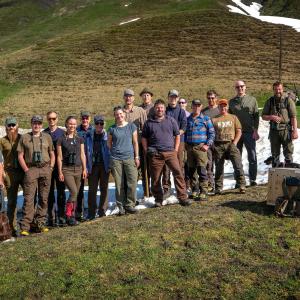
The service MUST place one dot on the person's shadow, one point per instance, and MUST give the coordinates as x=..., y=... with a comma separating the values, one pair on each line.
x=257, y=207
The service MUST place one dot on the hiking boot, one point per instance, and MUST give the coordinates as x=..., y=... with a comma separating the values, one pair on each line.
x=253, y=183
x=24, y=233
x=167, y=194
x=72, y=221
x=80, y=218
x=242, y=190
x=62, y=222
x=218, y=192
x=157, y=204
x=237, y=186
x=202, y=197
x=101, y=214
x=130, y=210
x=210, y=189
x=51, y=223
x=42, y=228
x=121, y=211
x=194, y=196
x=186, y=202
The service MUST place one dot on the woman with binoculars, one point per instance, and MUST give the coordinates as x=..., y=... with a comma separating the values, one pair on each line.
x=71, y=164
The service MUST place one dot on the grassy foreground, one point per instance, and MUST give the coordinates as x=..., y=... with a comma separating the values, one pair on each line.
x=230, y=247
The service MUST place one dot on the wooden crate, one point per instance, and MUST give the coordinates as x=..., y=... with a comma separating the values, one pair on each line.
x=275, y=183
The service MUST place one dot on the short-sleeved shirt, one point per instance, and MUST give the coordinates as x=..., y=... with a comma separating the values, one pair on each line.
x=246, y=109
x=122, y=146
x=70, y=146
x=29, y=144
x=160, y=133
x=211, y=112
x=55, y=135
x=225, y=127
x=138, y=116
x=9, y=151
x=284, y=107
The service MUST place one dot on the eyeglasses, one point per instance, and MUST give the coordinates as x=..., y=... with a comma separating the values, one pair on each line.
x=99, y=123
x=239, y=86
x=11, y=125
x=181, y=102
x=52, y=119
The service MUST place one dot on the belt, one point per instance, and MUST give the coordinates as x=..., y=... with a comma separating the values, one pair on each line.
x=194, y=144
x=41, y=165
x=222, y=142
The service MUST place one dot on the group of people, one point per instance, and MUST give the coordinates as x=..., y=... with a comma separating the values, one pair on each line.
x=153, y=140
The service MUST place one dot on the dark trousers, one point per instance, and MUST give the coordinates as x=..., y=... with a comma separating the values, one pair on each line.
x=80, y=200
x=144, y=168
x=98, y=177
x=210, y=166
x=221, y=151
x=166, y=181
x=13, y=180
x=35, y=178
x=282, y=138
x=61, y=197
x=250, y=145
x=157, y=162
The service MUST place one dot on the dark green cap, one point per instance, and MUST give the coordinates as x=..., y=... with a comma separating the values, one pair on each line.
x=37, y=118
x=10, y=120
x=85, y=113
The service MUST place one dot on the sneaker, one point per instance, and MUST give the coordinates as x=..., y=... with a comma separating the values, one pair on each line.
x=202, y=197
x=242, y=190
x=253, y=183
x=186, y=202
x=24, y=233
x=130, y=210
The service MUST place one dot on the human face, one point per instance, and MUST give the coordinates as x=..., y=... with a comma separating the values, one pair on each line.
x=240, y=88
x=36, y=127
x=278, y=90
x=160, y=110
x=172, y=100
x=52, y=119
x=196, y=108
x=99, y=126
x=11, y=128
x=223, y=108
x=85, y=121
x=128, y=99
x=212, y=100
x=119, y=116
x=182, y=103
x=71, y=125
x=147, y=98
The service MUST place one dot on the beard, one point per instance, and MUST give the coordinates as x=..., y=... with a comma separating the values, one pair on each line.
x=12, y=135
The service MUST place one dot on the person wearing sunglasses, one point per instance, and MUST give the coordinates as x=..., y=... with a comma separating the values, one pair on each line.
x=97, y=157
x=82, y=130
x=14, y=174
x=183, y=104
x=245, y=108
x=36, y=157
x=55, y=218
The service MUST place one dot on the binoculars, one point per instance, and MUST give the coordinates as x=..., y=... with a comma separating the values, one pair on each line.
x=71, y=159
x=37, y=157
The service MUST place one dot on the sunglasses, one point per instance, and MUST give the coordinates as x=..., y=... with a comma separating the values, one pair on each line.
x=239, y=86
x=84, y=118
x=99, y=123
x=181, y=102
x=11, y=125
x=52, y=119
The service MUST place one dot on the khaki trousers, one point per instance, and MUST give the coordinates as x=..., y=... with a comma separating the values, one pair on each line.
x=35, y=178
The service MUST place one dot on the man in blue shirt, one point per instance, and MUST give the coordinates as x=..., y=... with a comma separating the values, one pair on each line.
x=82, y=130
x=55, y=133
x=199, y=136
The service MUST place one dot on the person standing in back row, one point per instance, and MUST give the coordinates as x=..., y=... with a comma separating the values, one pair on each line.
x=245, y=108
x=174, y=110
x=55, y=133
x=282, y=114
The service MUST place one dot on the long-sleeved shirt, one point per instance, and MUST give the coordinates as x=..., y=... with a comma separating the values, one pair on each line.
x=179, y=115
x=199, y=130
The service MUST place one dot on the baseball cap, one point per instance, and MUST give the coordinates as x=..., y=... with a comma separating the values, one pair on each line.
x=146, y=91
x=173, y=93
x=223, y=101
x=10, y=120
x=196, y=102
x=37, y=118
x=128, y=92
x=85, y=113
x=98, y=119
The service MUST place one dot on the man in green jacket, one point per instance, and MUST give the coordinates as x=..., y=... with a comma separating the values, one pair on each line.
x=245, y=108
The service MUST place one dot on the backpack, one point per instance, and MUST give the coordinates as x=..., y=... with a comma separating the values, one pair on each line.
x=288, y=205
x=5, y=230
